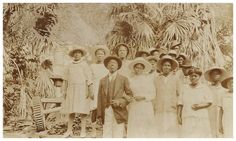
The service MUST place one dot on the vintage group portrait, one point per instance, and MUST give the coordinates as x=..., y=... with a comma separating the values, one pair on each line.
x=117, y=70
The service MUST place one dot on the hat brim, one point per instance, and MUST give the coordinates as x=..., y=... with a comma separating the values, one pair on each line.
x=147, y=65
x=152, y=58
x=107, y=59
x=94, y=49
x=174, y=64
x=207, y=73
x=152, y=51
x=71, y=53
x=225, y=81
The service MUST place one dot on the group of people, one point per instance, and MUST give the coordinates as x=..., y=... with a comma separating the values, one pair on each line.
x=159, y=94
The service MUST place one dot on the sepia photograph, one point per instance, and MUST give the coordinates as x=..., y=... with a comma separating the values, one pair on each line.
x=117, y=70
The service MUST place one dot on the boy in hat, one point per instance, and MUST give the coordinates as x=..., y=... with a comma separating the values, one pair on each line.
x=167, y=91
x=225, y=103
x=122, y=51
x=214, y=75
x=111, y=108
x=99, y=71
x=79, y=90
x=154, y=71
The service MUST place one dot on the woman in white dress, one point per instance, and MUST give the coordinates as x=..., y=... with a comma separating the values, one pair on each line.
x=141, y=114
x=193, y=102
x=99, y=71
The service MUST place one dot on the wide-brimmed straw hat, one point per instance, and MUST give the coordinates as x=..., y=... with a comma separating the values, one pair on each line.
x=172, y=52
x=100, y=47
x=107, y=59
x=57, y=77
x=140, y=60
x=78, y=48
x=226, y=79
x=207, y=73
x=174, y=63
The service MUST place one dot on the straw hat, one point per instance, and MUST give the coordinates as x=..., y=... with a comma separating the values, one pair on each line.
x=140, y=60
x=226, y=79
x=107, y=59
x=174, y=63
x=56, y=77
x=207, y=73
x=99, y=47
x=77, y=48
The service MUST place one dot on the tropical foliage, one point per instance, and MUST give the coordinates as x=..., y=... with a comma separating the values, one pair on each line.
x=142, y=26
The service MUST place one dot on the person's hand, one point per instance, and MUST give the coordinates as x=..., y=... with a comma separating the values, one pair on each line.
x=195, y=107
x=139, y=98
x=90, y=92
x=115, y=103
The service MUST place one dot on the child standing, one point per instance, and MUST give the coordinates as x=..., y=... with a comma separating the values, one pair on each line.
x=193, y=102
x=214, y=76
x=99, y=71
x=225, y=103
x=78, y=90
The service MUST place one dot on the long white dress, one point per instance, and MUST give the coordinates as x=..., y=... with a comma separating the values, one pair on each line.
x=141, y=121
x=99, y=71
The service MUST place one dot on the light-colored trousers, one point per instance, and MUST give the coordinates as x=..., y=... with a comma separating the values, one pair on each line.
x=111, y=129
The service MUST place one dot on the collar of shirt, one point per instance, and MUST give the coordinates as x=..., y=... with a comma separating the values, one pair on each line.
x=112, y=76
x=77, y=62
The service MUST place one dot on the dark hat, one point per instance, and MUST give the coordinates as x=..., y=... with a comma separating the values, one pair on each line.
x=140, y=53
x=182, y=55
x=153, y=50
x=107, y=59
x=117, y=47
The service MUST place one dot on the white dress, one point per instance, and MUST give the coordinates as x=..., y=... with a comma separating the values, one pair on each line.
x=99, y=71
x=195, y=124
x=79, y=77
x=141, y=121
x=226, y=103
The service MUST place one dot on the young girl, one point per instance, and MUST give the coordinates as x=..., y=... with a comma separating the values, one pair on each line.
x=193, y=102
x=78, y=90
x=225, y=103
x=141, y=114
x=99, y=71
x=214, y=76
x=167, y=91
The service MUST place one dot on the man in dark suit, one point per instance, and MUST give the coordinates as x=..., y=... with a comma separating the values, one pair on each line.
x=113, y=97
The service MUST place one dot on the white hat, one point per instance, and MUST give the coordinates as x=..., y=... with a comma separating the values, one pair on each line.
x=174, y=63
x=141, y=60
x=78, y=48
